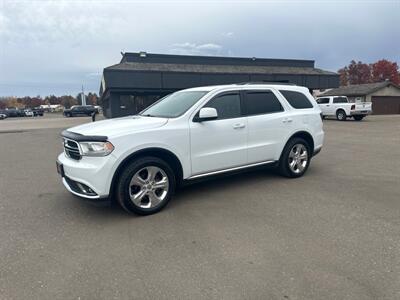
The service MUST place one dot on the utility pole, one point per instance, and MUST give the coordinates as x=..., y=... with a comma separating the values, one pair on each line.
x=83, y=97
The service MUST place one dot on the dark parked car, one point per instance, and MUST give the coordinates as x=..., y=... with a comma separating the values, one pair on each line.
x=37, y=111
x=13, y=112
x=80, y=110
x=3, y=114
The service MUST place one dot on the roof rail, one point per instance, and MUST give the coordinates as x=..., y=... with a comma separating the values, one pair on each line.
x=265, y=82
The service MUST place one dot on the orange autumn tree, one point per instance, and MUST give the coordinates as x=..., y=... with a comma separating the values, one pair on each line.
x=359, y=72
x=355, y=73
x=385, y=70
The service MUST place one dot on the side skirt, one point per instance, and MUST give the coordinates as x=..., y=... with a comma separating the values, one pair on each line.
x=218, y=172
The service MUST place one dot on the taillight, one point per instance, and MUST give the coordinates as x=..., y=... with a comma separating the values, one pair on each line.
x=353, y=107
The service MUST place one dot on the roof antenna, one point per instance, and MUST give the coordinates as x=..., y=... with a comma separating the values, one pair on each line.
x=122, y=53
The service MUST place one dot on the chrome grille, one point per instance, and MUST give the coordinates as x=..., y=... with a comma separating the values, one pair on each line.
x=71, y=149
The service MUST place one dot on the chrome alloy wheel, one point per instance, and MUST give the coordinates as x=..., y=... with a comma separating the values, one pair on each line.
x=149, y=187
x=298, y=158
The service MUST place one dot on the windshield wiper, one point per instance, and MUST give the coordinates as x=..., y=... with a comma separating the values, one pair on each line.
x=148, y=115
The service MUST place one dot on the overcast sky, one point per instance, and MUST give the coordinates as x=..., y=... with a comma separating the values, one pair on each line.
x=53, y=47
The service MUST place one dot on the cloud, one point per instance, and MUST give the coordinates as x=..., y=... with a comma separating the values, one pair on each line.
x=196, y=49
x=94, y=74
x=49, y=46
x=228, y=34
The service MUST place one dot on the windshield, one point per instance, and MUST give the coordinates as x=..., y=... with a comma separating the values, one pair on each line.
x=173, y=105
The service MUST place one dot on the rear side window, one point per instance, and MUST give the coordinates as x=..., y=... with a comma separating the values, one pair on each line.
x=323, y=100
x=227, y=106
x=257, y=102
x=296, y=99
x=340, y=100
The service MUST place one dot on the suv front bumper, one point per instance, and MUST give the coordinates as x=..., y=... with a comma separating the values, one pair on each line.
x=88, y=177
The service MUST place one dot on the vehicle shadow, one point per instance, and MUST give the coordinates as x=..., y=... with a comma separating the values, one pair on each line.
x=209, y=187
x=239, y=181
x=366, y=119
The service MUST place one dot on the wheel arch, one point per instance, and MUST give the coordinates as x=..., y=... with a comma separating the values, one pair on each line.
x=340, y=108
x=305, y=136
x=162, y=153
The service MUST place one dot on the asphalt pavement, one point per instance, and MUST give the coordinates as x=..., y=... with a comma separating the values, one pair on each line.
x=332, y=234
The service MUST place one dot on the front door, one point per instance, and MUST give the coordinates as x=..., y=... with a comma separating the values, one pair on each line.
x=219, y=144
x=324, y=105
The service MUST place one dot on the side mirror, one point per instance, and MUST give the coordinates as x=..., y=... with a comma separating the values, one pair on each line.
x=206, y=114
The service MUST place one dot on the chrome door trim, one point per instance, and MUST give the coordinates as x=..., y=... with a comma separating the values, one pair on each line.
x=231, y=169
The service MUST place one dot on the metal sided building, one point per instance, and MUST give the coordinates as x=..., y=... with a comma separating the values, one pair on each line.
x=142, y=78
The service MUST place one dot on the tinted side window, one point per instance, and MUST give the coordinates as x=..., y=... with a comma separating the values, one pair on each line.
x=296, y=99
x=340, y=100
x=256, y=103
x=323, y=100
x=227, y=106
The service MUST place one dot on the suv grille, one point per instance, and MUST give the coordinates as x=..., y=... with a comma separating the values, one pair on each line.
x=71, y=149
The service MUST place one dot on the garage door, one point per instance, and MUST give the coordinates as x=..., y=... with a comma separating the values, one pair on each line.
x=386, y=105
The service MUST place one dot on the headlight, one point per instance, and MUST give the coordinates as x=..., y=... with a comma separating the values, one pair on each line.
x=96, y=148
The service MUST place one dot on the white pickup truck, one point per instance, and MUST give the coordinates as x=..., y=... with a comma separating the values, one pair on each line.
x=341, y=108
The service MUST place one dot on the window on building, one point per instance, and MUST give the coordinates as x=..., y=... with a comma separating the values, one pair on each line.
x=261, y=102
x=133, y=104
x=227, y=106
x=296, y=99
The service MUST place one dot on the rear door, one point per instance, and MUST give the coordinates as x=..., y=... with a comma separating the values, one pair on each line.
x=76, y=111
x=267, y=125
x=219, y=144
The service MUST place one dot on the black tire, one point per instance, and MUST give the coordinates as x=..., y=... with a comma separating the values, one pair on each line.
x=284, y=162
x=123, y=187
x=358, y=117
x=341, y=115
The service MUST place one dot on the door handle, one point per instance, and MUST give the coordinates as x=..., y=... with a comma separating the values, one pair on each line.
x=239, y=126
x=287, y=120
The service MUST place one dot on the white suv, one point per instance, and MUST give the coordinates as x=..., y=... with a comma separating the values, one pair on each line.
x=193, y=133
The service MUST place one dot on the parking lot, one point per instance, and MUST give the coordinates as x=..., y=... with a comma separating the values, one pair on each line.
x=332, y=234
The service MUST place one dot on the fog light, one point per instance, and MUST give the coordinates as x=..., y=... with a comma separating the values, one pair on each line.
x=85, y=189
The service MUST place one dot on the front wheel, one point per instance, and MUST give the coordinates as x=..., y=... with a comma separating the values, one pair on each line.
x=358, y=118
x=145, y=186
x=295, y=158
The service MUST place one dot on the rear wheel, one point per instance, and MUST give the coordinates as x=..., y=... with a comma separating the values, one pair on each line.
x=341, y=115
x=358, y=118
x=145, y=186
x=295, y=158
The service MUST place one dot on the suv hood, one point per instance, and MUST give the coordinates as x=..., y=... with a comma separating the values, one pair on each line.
x=119, y=126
